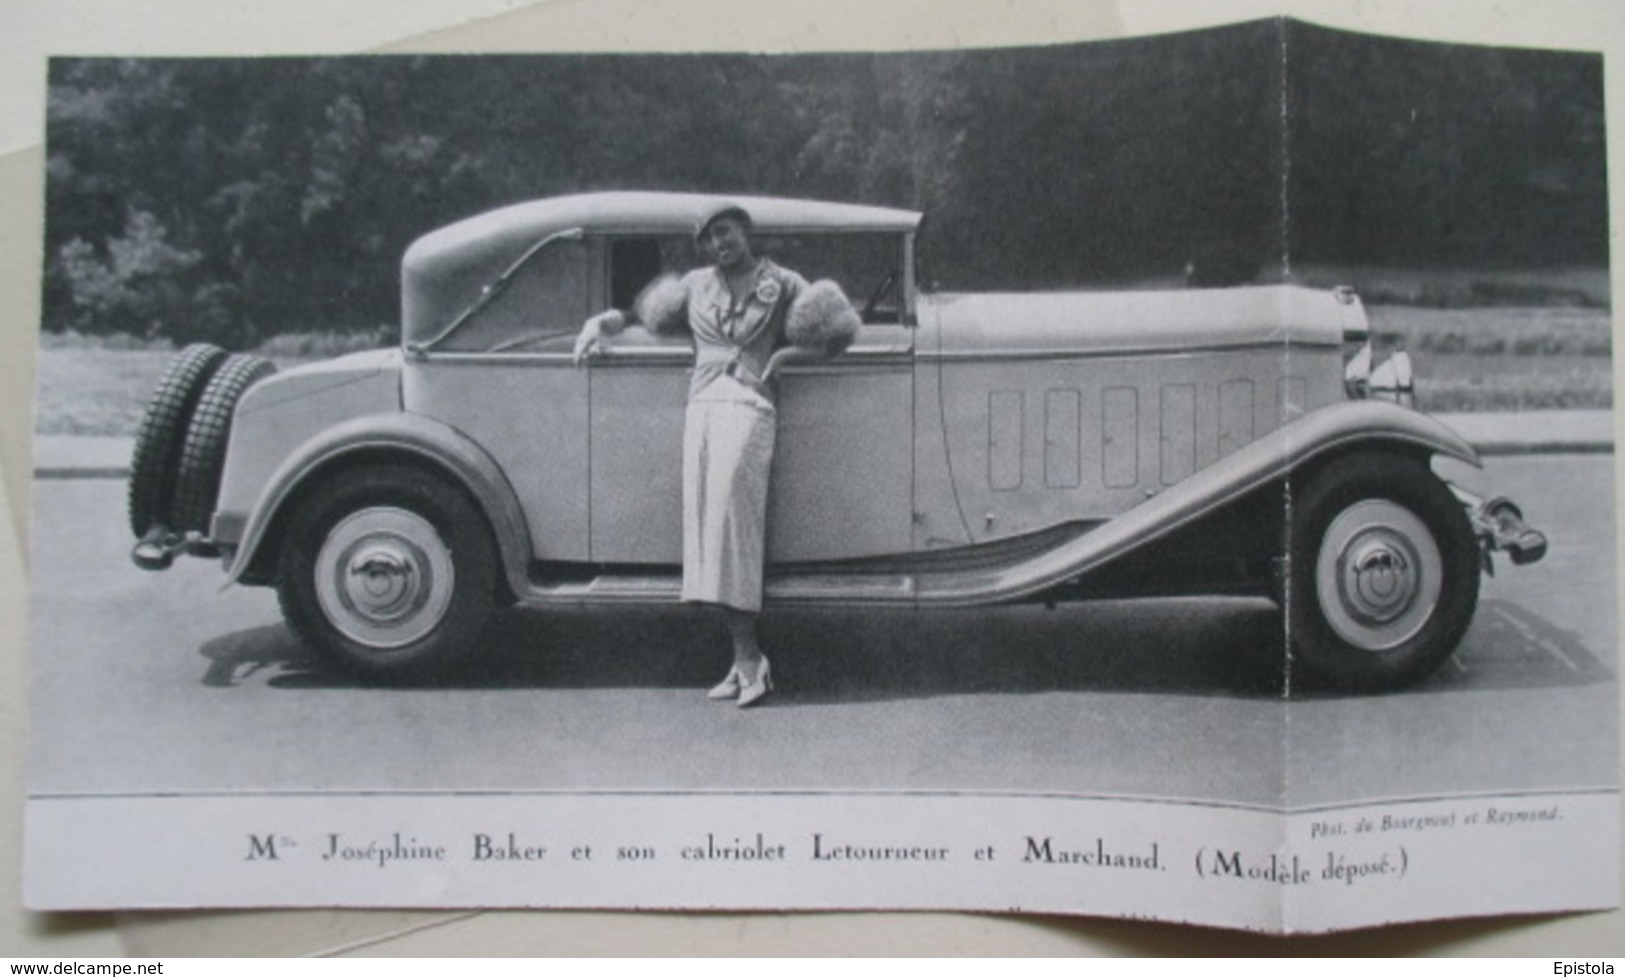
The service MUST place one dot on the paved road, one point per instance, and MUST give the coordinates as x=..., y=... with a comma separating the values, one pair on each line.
x=161, y=682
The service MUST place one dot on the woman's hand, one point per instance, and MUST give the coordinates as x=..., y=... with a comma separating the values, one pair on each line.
x=790, y=354
x=591, y=341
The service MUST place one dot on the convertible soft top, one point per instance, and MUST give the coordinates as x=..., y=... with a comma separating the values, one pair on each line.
x=455, y=262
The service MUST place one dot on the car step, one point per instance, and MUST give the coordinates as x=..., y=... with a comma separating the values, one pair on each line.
x=798, y=589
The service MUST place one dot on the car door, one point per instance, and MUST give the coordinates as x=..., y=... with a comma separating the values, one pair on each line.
x=842, y=483
x=841, y=486
x=503, y=377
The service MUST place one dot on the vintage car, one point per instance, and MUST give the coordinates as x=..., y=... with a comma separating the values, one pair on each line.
x=966, y=449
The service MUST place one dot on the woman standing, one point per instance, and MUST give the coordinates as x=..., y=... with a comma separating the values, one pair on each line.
x=741, y=312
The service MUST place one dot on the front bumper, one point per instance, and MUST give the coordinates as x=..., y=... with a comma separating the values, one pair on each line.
x=1498, y=524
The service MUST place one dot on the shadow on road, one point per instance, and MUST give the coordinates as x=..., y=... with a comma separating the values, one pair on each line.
x=821, y=656
x=1206, y=647
x=1188, y=647
x=235, y=658
x=1507, y=647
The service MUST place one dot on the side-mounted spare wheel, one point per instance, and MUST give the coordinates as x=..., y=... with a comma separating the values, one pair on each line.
x=1384, y=572
x=203, y=454
x=159, y=440
x=389, y=571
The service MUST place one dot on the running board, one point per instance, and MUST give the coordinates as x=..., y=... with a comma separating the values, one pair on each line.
x=803, y=588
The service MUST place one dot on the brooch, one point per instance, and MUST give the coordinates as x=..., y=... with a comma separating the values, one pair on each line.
x=767, y=291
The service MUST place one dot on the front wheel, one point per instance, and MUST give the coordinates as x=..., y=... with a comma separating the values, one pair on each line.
x=389, y=572
x=1384, y=572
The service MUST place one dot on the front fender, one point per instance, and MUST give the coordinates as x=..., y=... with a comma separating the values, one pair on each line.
x=1364, y=423
x=427, y=441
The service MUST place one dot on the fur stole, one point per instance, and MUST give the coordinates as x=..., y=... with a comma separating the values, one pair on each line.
x=821, y=318
x=662, y=306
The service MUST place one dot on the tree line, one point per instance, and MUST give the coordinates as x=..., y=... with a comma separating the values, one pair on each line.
x=235, y=199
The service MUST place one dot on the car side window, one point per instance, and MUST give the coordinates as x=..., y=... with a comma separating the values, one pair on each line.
x=633, y=263
x=867, y=265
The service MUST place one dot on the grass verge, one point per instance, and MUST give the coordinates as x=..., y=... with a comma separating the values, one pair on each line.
x=1502, y=359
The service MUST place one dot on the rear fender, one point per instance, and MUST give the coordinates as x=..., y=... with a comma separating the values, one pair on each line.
x=418, y=439
x=1290, y=448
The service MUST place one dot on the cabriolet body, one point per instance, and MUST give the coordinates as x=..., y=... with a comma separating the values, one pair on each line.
x=966, y=449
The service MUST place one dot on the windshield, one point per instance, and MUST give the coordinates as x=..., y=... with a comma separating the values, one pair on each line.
x=545, y=297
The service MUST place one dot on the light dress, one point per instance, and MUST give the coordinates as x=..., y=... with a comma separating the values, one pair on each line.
x=729, y=432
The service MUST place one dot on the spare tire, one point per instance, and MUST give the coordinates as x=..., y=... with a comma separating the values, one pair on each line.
x=163, y=430
x=203, y=454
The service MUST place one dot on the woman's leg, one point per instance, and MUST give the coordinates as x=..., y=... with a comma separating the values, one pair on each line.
x=749, y=666
x=747, y=650
x=751, y=669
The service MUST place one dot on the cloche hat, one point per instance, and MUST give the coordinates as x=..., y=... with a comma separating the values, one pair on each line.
x=717, y=213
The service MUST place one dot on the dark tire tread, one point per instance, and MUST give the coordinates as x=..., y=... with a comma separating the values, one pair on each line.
x=1411, y=484
x=203, y=454
x=460, y=524
x=158, y=442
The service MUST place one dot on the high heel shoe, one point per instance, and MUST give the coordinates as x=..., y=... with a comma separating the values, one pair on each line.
x=728, y=688
x=750, y=692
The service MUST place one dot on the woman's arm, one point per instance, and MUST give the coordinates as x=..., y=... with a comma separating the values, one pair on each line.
x=662, y=306
x=785, y=355
x=821, y=318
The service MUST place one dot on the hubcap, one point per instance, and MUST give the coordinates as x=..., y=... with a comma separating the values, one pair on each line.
x=1378, y=574
x=384, y=578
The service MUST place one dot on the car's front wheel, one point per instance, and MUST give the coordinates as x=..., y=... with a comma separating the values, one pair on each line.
x=1384, y=572
x=388, y=571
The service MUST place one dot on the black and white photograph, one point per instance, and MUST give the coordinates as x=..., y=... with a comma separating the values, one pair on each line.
x=1167, y=478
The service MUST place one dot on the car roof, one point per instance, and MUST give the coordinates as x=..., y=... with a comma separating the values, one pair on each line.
x=443, y=271
x=642, y=212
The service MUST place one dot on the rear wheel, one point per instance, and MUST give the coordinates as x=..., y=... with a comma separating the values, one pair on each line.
x=389, y=572
x=203, y=454
x=158, y=443
x=1384, y=572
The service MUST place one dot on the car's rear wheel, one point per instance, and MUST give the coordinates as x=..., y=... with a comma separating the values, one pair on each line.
x=388, y=571
x=1384, y=572
x=203, y=453
x=158, y=442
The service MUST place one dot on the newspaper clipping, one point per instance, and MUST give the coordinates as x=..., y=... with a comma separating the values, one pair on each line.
x=1166, y=478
